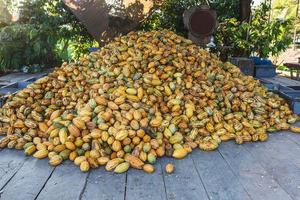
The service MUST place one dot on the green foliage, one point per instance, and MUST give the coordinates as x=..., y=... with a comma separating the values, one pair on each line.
x=285, y=9
x=169, y=15
x=5, y=16
x=233, y=38
x=47, y=33
x=261, y=36
x=20, y=46
x=282, y=68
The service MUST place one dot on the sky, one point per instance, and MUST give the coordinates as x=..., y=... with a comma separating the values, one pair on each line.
x=257, y=2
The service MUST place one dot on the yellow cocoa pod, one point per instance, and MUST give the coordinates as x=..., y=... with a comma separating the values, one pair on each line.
x=121, y=135
x=120, y=100
x=112, y=164
x=283, y=126
x=79, y=123
x=55, y=115
x=263, y=137
x=169, y=168
x=112, y=105
x=70, y=145
x=84, y=112
x=133, y=98
x=208, y=145
x=295, y=129
x=73, y=155
x=43, y=127
x=93, y=162
x=30, y=150
x=59, y=148
x=41, y=154
x=140, y=93
x=94, y=154
x=148, y=168
x=74, y=130
x=131, y=91
x=101, y=100
x=168, y=91
x=79, y=160
x=155, y=122
x=189, y=112
x=180, y=153
x=54, y=133
x=41, y=146
x=176, y=138
x=19, y=124
x=102, y=160
x=85, y=166
x=121, y=168
x=51, y=154
x=210, y=127
x=56, y=160
x=30, y=123
x=63, y=135
x=96, y=133
x=116, y=146
x=135, y=162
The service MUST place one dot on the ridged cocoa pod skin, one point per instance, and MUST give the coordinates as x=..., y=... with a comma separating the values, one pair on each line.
x=169, y=168
x=121, y=168
x=142, y=96
x=148, y=168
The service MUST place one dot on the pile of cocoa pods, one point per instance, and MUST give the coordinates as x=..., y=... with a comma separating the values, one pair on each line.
x=142, y=96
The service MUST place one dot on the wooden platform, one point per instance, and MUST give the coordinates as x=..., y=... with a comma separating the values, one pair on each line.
x=282, y=81
x=257, y=171
x=20, y=76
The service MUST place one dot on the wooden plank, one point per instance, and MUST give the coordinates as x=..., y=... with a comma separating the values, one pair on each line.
x=105, y=185
x=295, y=137
x=277, y=162
x=10, y=162
x=219, y=181
x=282, y=81
x=20, y=76
x=28, y=181
x=184, y=183
x=143, y=186
x=284, y=147
x=66, y=182
x=255, y=179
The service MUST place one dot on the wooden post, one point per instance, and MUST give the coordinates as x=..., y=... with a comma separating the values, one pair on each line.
x=245, y=10
x=295, y=30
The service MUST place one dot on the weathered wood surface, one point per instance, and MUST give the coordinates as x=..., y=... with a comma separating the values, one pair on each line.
x=105, y=186
x=218, y=178
x=28, y=181
x=10, y=162
x=253, y=176
x=66, y=182
x=20, y=76
x=185, y=182
x=282, y=81
x=276, y=159
x=137, y=181
x=269, y=170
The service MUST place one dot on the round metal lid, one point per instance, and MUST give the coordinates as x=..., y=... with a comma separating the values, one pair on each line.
x=202, y=22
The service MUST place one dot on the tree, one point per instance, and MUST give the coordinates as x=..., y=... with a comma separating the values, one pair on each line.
x=169, y=15
x=260, y=36
x=5, y=16
x=47, y=33
x=288, y=10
